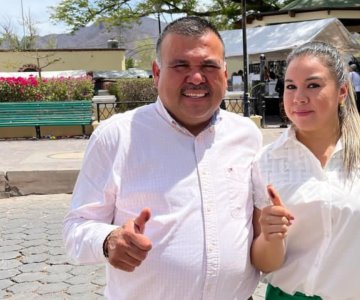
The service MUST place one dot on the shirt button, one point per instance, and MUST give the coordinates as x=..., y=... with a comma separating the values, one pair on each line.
x=236, y=213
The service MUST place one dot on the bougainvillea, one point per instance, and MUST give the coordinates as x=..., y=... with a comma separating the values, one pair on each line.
x=47, y=89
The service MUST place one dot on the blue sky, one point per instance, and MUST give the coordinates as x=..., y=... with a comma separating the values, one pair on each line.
x=39, y=12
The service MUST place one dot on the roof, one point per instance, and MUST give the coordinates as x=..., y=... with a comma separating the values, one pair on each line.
x=273, y=38
x=317, y=4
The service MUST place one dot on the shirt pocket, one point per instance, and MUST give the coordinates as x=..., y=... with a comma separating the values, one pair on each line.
x=238, y=187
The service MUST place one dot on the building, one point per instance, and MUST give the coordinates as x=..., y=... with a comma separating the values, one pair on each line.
x=346, y=11
x=276, y=41
x=62, y=60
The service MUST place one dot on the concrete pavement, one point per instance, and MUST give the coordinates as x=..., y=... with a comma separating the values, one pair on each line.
x=33, y=264
x=51, y=166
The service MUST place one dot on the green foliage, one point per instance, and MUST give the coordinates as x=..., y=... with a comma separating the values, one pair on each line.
x=129, y=63
x=224, y=13
x=55, y=89
x=145, y=53
x=133, y=90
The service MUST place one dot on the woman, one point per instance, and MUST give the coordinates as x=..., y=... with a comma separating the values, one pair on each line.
x=307, y=242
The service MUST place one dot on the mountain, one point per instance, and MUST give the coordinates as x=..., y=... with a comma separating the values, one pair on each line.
x=97, y=36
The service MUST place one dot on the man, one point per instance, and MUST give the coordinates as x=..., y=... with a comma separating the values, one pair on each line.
x=164, y=194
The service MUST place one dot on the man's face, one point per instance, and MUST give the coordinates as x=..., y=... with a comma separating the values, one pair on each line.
x=192, y=78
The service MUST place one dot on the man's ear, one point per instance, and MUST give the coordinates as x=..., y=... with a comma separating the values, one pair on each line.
x=156, y=72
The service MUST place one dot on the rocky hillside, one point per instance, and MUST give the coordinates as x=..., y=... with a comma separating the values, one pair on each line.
x=97, y=36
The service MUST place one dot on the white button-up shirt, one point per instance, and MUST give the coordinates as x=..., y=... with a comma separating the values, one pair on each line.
x=198, y=189
x=323, y=245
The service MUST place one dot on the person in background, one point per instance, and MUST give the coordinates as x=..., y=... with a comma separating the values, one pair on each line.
x=164, y=196
x=355, y=80
x=241, y=74
x=305, y=238
x=279, y=88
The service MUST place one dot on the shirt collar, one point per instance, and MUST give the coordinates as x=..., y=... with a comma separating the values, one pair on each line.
x=215, y=119
x=289, y=137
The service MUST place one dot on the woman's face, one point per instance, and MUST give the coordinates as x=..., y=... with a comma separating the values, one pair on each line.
x=311, y=95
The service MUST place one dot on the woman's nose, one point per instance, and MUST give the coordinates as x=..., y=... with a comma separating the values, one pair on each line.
x=300, y=97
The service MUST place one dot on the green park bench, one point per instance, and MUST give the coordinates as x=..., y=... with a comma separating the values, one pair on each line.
x=37, y=114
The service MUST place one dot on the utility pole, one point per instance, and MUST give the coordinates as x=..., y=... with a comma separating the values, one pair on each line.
x=23, y=22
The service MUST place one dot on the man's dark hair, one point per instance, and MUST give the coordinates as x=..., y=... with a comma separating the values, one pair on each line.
x=191, y=26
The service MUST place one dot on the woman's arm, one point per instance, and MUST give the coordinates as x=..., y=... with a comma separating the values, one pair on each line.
x=270, y=229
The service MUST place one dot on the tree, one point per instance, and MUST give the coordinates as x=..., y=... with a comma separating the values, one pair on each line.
x=129, y=63
x=224, y=13
x=143, y=53
x=13, y=41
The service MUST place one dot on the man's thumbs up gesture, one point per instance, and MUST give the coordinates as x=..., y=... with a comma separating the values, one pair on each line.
x=275, y=219
x=127, y=246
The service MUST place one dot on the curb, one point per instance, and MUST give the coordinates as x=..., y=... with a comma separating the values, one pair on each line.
x=38, y=182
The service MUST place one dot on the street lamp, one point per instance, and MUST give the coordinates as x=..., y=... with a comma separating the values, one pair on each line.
x=158, y=8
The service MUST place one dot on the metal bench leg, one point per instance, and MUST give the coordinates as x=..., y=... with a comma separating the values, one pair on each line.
x=38, y=133
x=83, y=129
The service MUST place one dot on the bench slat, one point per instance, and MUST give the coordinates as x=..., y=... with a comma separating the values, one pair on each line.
x=61, y=113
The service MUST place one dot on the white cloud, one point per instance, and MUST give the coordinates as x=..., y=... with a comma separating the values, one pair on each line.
x=38, y=10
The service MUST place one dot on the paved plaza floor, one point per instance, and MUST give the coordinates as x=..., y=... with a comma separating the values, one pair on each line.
x=33, y=264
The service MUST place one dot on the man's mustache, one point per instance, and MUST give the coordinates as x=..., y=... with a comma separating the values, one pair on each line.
x=193, y=87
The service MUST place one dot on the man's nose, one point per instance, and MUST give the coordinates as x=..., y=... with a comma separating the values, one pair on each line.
x=195, y=76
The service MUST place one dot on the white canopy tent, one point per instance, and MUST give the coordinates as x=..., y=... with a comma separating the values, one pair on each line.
x=45, y=74
x=276, y=41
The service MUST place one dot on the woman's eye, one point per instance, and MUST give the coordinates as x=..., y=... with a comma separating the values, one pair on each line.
x=313, y=85
x=290, y=87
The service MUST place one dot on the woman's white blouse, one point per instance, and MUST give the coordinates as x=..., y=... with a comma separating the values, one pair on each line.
x=323, y=245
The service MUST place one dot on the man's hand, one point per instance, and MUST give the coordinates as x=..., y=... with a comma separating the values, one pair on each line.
x=275, y=219
x=127, y=246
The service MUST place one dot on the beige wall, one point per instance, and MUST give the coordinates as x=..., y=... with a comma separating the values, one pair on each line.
x=82, y=59
x=234, y=64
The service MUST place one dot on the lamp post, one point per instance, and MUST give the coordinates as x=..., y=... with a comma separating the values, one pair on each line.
x=245, y=63
x=262, y=88
x=158, y=8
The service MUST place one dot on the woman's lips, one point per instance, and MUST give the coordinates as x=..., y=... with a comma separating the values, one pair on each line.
x=302, y=113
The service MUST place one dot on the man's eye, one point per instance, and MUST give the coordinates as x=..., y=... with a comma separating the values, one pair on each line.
x=179, y=67
x=210, y=68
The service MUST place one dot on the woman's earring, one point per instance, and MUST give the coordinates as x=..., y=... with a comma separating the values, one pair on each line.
x=342, y=110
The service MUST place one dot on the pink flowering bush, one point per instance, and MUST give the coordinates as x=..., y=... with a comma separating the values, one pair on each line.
x=53, y=89
x=19, y=89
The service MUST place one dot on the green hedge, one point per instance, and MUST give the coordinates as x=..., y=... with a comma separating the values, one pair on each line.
x=133, y=90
